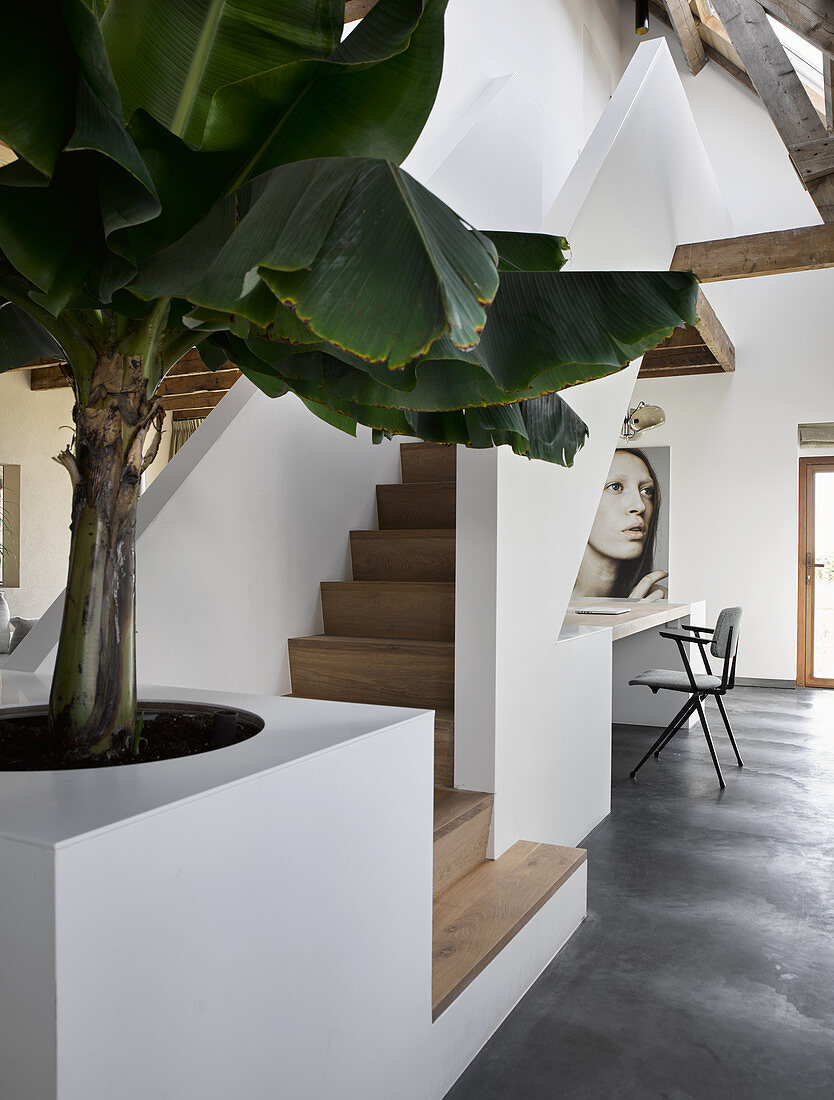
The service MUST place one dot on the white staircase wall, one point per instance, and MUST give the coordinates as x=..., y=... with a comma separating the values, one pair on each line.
x=520, y=721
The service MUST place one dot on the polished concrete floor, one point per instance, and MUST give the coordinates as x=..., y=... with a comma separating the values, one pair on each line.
x=705, y=969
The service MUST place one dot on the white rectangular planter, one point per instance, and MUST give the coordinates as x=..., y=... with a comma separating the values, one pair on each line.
x=220, y=925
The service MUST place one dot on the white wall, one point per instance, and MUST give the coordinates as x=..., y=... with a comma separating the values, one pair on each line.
x=567, y=55
x=734, y=478
x=231, y=568
x=233, y=539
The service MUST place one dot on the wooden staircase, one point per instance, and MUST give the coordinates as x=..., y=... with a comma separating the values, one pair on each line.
x=389, y=638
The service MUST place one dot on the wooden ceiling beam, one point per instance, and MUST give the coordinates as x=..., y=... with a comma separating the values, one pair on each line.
x=191, y=401
x=49, y=378
x=780, y=253
x=778, y=85
x=703, y=348
x=813, y=159
x=199, y=383
x=828, y=90
x=686, y=29
x=677, y=360
x=678, y=372
x=711, y=42
x=812, y=19
x=714, y=335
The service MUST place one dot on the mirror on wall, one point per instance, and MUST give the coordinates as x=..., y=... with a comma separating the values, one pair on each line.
x=9, y=526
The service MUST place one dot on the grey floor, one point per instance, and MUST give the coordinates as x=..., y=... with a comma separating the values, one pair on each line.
x=705, y=968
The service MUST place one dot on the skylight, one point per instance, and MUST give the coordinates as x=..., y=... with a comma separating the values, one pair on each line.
x=805, y=58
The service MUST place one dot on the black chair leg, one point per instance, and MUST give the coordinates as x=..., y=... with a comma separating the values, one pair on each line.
x=720, y=702
x=678, y=721
x=708, y=736
x=667, y=734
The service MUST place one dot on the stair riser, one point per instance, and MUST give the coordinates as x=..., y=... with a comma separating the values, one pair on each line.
x=402, y=559
x=461, y=849
x=426, y=506
x=444, y=753
x=427, y=462
x=389, y=610
x=396, y=678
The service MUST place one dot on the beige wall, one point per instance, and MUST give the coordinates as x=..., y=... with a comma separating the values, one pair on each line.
x=33, y=428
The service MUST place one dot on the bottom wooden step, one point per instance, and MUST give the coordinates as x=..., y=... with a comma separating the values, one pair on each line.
x=480, y=914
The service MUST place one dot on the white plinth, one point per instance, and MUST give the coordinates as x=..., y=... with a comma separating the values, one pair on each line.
x=253, y=922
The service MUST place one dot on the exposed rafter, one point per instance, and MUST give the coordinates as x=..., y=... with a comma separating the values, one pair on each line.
x=686, y=29
x=778, y=85
x=716, y=47
x=788, y=250
x=813, y=159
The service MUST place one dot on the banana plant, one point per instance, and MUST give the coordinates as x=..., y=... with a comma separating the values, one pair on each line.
x=227, y=177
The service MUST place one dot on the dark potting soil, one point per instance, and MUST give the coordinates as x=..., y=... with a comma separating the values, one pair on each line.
x=27, y=745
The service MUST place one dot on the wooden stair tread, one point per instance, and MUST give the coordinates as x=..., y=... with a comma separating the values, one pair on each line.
x=406, y=533
x=452, y=807
x=362, y=643
x=478, y=916
x=389, y=609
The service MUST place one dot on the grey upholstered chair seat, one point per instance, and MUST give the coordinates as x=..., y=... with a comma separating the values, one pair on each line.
x=674, y=680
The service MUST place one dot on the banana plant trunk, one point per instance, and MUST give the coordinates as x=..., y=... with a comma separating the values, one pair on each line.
x=92, y=707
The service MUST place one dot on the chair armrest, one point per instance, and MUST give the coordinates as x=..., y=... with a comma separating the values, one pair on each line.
x=677, y=635
x=698, y=629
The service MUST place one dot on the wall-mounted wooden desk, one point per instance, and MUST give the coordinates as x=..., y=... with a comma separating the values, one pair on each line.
x=638, y=647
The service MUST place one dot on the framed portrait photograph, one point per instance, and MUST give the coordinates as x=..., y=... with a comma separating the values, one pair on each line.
x=627, y=555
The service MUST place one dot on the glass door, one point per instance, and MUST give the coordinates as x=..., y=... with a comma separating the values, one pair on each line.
x=815, y=664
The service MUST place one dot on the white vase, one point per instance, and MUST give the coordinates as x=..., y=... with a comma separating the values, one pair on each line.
x=5, y=632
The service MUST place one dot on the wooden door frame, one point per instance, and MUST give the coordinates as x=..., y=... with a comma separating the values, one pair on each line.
x=805, y=622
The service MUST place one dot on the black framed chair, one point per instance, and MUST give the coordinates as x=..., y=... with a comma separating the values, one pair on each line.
x=723, y=645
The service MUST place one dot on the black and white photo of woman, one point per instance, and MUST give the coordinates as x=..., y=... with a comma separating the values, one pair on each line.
x=619, y=557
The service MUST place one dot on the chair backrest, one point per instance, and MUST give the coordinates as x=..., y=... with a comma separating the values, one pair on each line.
x=728, y=620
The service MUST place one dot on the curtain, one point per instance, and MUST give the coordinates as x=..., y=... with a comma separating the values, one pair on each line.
x=181, y=430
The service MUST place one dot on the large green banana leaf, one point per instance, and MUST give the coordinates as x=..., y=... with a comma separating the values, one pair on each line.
x=546, y=331
x=364, y=255
x=171, y=58
x=104, y=178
